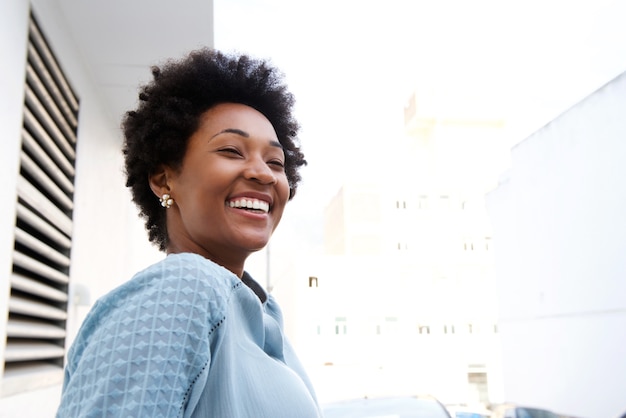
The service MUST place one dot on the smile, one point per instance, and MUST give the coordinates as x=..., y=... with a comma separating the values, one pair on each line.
x=250, y=204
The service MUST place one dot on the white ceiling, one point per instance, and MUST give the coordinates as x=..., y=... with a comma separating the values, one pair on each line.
x=120, y=39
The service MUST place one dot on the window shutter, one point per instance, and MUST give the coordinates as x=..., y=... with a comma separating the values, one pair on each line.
x=35, y=340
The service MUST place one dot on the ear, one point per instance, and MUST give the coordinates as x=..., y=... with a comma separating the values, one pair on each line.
x=159, y=180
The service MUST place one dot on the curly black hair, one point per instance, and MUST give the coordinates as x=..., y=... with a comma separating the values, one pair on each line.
x=169, y=110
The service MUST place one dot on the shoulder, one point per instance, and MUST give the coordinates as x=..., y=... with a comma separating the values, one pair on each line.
x=184, y=278
x=179, y=272
x=182, y=292
x=150, y=336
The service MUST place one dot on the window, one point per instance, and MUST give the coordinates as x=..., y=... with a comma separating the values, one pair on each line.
x=37, y=308
x=471, y=244
x=389, y=326
x=341, y=326
x=478, y=382
x=422, y=202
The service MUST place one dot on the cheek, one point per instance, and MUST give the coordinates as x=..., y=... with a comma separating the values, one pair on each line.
x=283, y=189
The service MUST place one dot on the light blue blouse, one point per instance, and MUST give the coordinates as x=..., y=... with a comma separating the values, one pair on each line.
x=185, y=338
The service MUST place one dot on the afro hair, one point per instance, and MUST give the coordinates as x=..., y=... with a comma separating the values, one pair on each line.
x=169, y=110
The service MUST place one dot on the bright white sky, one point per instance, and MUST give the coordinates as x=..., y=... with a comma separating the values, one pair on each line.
x=352, y=65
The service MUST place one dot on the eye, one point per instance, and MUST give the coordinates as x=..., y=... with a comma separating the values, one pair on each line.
x=277, y=163
x=230, y=150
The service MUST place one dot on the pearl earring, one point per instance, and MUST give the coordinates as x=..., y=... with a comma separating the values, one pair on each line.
x=166, y=201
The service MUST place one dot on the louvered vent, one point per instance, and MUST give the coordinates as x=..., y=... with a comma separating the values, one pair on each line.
x=43, y=228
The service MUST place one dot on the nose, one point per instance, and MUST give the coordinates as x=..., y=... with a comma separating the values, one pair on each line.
x=258, y=170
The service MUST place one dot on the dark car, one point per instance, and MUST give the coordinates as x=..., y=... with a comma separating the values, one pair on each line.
x=399, y=407
x=516, y=411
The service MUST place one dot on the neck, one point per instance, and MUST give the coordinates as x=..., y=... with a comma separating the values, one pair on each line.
x=233, y=264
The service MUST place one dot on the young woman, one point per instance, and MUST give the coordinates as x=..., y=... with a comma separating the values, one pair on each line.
x=211, y=159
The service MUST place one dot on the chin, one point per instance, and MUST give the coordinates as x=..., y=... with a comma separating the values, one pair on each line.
x=259, y=247
x=254, y=242
x=256, y=245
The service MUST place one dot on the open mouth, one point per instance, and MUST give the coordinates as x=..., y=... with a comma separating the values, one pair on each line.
x=252, y=205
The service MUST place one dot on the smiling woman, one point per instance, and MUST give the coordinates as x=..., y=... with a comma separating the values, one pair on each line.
x=233, y=163
x=211, y=159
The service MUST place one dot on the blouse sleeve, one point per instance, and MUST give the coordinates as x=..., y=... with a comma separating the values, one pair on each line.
x=144, y=351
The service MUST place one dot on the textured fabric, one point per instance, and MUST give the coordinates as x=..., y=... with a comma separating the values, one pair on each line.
x=185, y=338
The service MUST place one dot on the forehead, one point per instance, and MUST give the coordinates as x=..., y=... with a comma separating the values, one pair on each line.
x=236, y=116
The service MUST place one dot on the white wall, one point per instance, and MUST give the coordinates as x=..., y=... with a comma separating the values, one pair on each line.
x=109, y=244
x=560, y=235
x=13, y=37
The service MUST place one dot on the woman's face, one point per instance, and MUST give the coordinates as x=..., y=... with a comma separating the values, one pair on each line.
x=231, y=189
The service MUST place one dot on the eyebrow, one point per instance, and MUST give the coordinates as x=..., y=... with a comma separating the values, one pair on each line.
x=232, y=131
x=245, y=135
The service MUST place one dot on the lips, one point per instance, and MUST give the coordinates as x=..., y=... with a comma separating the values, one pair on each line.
x=251, y=204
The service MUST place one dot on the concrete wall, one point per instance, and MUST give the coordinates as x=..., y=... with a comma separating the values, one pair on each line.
x=560, y=235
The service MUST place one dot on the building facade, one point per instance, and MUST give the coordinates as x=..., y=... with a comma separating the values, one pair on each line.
x=560, y=239
x=403, y=298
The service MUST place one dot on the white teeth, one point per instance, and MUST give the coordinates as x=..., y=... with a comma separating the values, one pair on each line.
x=250, y=204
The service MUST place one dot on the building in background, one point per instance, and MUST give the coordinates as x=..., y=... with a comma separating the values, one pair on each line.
x=68, y=230
x=403, y=299
x=560, y=238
